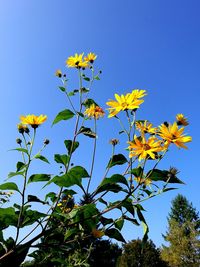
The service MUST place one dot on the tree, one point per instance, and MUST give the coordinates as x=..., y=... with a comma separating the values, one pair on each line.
x=139, y=254
x=183, y=235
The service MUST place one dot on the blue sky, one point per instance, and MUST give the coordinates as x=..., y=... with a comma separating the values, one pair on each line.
x=152, y=45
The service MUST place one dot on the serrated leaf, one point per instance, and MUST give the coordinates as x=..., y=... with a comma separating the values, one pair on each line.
x=71, y=148
x=63, y=115
x=38, y=156
x=39, y=178
x=119, y=159
x=62, y=159
x=87, y=131
x=114, y=233
x=9, y=186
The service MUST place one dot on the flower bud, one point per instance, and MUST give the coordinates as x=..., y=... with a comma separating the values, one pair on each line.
x=114, y=141
x=46, y=141
x=18, y=141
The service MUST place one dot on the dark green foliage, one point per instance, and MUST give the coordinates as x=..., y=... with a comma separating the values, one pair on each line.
x=139, y=254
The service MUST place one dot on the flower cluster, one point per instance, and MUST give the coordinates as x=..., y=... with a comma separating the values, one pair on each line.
x=94, y=111
x=78, y=61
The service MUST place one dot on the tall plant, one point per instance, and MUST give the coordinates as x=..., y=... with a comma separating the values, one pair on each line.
x=89, y=214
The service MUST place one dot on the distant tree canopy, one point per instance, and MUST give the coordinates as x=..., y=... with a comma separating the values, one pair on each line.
x=139, y=254
x=183, y=235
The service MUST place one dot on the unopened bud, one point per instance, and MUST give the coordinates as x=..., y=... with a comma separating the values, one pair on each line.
x=46, y=141
x=114, y=141
x=18, y=141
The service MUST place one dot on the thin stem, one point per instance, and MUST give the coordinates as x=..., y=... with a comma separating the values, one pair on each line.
x=93, y=156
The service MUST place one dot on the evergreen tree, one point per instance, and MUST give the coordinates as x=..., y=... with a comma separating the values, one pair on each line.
x=183, y=235
x=139, y=254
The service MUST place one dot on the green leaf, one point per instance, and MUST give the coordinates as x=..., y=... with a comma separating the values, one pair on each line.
x=106, y=221
x=88, y=102
x=32, y=198
x=8, y=217
x=134, y=221
x=68, y=144
x=51, y=195
x=20, y=166
x=85, y=214
x=128, y=205
x=165, y=176
x=137, y=172
x=20, y=150
x=63, y=89
x=119, y=223
x=80, y=114
x=114, y=233
x=86, y=79
x=70, y=233
x=32, y=216
x=9, y=186
x=96, y=77
x=62, y=159
x=78, y=172
x=168, y=189
x=39, y=178
x=63, y=115
x=87, y=131
x=114, y=179
x=115, y=188
x=116, y=160
x=12, y=174
x=65, y=181
x=142, y=219
x=71, y=93
x=38, y=156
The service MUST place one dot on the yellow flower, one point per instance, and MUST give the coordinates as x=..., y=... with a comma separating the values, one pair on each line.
x=33, y=120
x=58, y=73
x=146, y=181
x=145, y=127
x=181, y=120
x=94, y=112
x=76, y=61
x=90, y=57
x=129, y=101
x=97, y=233
x=172, y=134
x=143, y=149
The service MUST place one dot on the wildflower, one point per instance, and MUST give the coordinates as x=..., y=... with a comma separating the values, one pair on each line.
x=97, y=233
x=58, y=73
x=90, y=57
x=172, y=134
x=33, y=120
x=144, y=149
x=181, y=120
x=129, y=101
x=94, y=111
x=22, y=128
x=145, y=127
x=76, y=61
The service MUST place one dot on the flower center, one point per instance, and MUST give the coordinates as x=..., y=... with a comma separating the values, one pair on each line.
x=146, y=147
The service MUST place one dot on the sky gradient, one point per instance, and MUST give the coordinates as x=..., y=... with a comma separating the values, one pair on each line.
x=152, y=45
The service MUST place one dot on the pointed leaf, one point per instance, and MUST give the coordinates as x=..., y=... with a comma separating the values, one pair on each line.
x=165, y=176
x=20, y=166
x=9, y=186
x=63, y=159
x=38, y=156
x=39, y=178
x=116, y=160
x=63, y=115
x=68, y=144
x=114, y=233
x=20, y=150
x=87, y=131
x=32, y=198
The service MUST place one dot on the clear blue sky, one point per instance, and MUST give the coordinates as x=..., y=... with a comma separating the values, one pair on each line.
x=153, y=45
